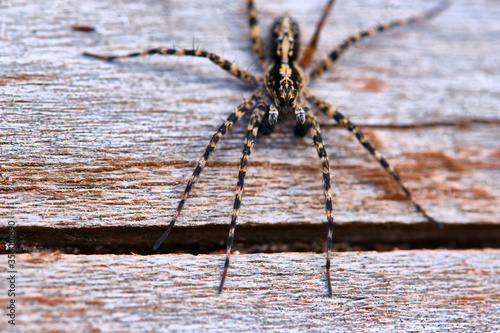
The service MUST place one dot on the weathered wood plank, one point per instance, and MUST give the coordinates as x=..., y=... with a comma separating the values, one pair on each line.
x=87, y=143
x=90, y=144
x=424, y=291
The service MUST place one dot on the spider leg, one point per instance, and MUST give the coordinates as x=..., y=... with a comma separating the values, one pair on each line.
x=258, y=46
x=320, y=148
x=311, y=47
x=223, y=129
x=226, y=65
x=252, y=130
x=339, y=50
x=346, y=123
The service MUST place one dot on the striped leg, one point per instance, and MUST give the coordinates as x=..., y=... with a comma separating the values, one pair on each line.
x=255, y=36
x=325, y=165
x=346, y=123
x=339, y=50
x=223, y=129
x=226, y=65
x=252, y=130
x=311, y=47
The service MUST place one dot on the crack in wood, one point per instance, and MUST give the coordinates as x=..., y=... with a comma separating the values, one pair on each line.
x=274, y=238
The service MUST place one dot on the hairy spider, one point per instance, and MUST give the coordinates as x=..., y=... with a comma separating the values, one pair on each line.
x=280, y=92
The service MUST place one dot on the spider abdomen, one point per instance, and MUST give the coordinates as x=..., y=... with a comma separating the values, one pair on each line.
x=285, y=40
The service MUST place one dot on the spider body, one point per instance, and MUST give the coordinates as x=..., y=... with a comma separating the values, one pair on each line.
x=284, y=80
x=281, y=91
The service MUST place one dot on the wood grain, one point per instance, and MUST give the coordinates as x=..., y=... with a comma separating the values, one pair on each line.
x=424, y=291
x=87, y=143
x=89, y=148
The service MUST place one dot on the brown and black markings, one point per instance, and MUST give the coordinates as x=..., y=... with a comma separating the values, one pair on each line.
x=281, y=91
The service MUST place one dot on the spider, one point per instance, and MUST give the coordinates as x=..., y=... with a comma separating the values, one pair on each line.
x=281, y=92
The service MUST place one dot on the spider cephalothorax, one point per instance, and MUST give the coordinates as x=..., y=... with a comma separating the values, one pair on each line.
x=284, y=80
x=283, y=92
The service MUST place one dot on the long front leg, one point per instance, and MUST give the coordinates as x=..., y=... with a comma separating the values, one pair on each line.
x=223, y=63
x=347, y=124
x=255, y=36
x=339, y=50
x=252, y=130
x=223, y=129
x=313, y=43
x=325, y=167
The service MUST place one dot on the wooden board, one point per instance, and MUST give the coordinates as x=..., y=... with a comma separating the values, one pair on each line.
x=94, y=157
x=424, y=291
x=91, y=148
x=87, y=143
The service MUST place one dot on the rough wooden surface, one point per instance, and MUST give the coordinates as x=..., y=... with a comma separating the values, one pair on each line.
x=87, y=143
x=418, y=291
